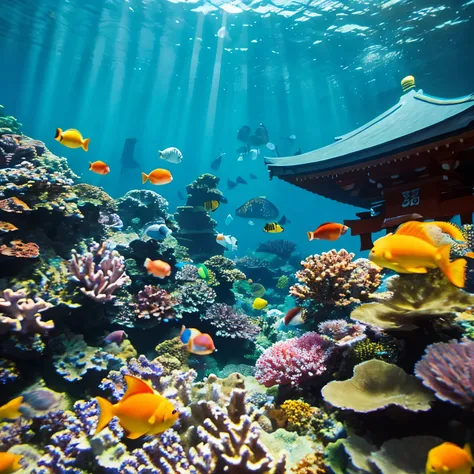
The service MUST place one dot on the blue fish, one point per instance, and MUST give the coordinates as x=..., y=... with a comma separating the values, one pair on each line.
x=156, y=230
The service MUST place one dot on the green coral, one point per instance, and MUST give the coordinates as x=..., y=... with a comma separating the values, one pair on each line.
x=8, y=124
x=172, y=354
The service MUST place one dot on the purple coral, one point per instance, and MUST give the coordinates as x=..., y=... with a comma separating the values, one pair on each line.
x=231, y=322
x=282, y=248
x=154, y=303
x=447, y=368
x=341, y=332
x=100, y=272
x=293, y=361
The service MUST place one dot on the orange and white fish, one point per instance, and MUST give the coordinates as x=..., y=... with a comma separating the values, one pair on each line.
x=448, y=458
x=72, y=138
x=10, y=463
x=158, y=268
x=295, y=317
x=328, y=231
x=197, y=342
x=159, y=176
x=11, y=410
x=141, y=411
x=99, y=167
x=227, y=241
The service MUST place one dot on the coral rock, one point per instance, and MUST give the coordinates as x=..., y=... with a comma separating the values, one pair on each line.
x=20, y=249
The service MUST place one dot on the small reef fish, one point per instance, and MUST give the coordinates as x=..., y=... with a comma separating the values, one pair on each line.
x=216, y=164
x=11, y=410
x=291, y=137
x=227, y=241
x=240, y=180
x=72, y=138
x=159, y=176
x=158, y=268
x=10, y=463
x=211, y=206
x=99, y=167
x=252, y=176
x=295, y=317
x=251, y=223
x=396, y=221
x=171, y=155
x=116, y=336
x=197, y=342
x=405, y=253
x=203, y=272
x=328, y=231
x=284, y=221
x=448, y=458
x=231, y=184
x=259, y=303
x=141, y=411
x=7, y=227
x=228, y=219
x=156, y=230
x=273, y=228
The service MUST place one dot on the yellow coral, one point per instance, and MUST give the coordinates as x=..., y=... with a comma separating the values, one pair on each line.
x=175, y=349
x=298, y=414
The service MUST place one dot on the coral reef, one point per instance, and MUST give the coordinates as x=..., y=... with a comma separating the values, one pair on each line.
x=8, y=124
x=194, y=297
x=334, y=279
x=448, y=370
x=172, y=354
x=230, y=322
x=155, y=305
x=281, y=248
x=20, y=249
x=293, y=361
x=298, y=415
x=225, y=275
x=376, y=385
x=8, y=372
x=341, y=332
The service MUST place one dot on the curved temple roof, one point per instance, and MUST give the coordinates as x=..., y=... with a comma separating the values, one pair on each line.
x=417, y=119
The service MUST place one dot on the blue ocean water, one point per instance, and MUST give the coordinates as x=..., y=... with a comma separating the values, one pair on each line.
x=158, y=71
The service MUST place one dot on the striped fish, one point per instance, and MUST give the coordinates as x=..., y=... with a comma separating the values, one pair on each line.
x=273, y=228
x=211, y=206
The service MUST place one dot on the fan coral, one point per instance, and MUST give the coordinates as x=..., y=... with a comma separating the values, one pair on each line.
x=332, y=278
x=448, y=370
x=21, y=314
x=231, y=322
x=257, y=208
x=20, y=249
x=155, y=305
x=281, y=248
x=293, y=361
x=410, y=298
x=100, y=272
x=376, y=385
x=341, y=332
x=298, y=414
x=195, y=297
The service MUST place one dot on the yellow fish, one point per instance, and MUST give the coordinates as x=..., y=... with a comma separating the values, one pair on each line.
x=273, y=228
x=11, y=410
x=448, y=458
x=211, y=205
x=141, y=411
x=408, y=254
x=72, y=138
x=259, y=303
x=9, y=463
x=437, y=233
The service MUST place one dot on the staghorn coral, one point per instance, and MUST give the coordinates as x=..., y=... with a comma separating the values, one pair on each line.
x=21, y=314
x=293, y=361
x=341, y=332
x=281, y=248
x=20, y=249
x=230, y=322
x=195, y=297
x=334, y=279
x=298, y=414
x=410, y=298
x=376, y=385
x=448, y=370
x=100, y=272
x=155, y=305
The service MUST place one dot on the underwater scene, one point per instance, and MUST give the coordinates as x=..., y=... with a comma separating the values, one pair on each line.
x=236, y=237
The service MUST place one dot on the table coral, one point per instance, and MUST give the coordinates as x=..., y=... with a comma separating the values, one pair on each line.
x=155, y=305
x=335, y=279
x=18, y=313
x=20, y=249
x=100, y=272
x=448, y=370
x=376, y=385
x=410, y=298
x=293, y=361
x=230, y=322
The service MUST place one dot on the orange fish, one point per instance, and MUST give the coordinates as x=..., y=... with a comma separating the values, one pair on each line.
x=158, y=268
x=328, y=231
x=448, y=458
x=10, y=410
x=141, y=411
x=197, y=342
x=9, y=463
x=158, y=176
x=99, y=167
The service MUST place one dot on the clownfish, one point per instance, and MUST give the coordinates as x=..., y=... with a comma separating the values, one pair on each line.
x=197, y=342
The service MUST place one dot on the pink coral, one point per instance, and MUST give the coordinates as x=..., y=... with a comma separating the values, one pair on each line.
x=156, y=304
x=294, y=360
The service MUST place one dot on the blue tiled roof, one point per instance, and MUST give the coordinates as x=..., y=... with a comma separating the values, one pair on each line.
x=417, y=119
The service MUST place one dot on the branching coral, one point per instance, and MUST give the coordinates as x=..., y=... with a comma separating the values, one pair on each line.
x=18, y=313
x=376, y=385
x=410, y=298
x=155, y=305
x=231, y=322
x=293, y=361
x=281, y=248
x=334, y=279
x=448, y=370
x=100, y=272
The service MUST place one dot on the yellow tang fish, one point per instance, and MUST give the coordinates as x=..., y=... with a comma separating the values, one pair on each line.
x=448, y=458
x=259, y=303
x=141, y=411
x=211, y=205
x=9, y=463
x=72, y=138
x=273, y=228
x=11, y=410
